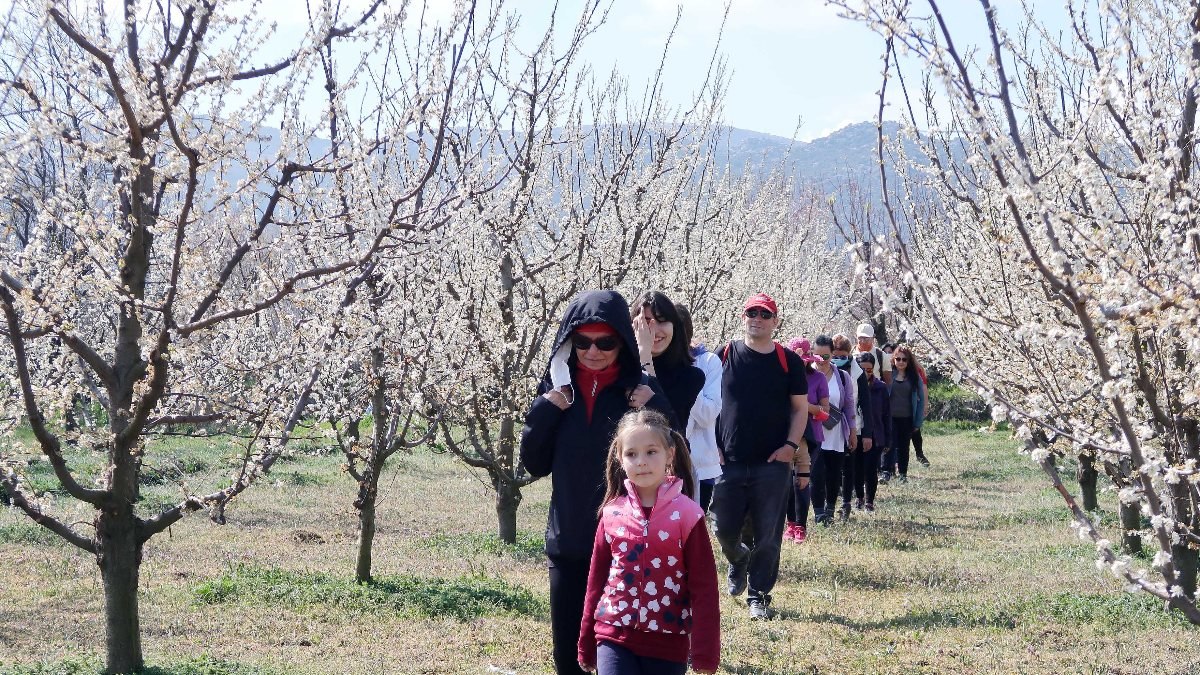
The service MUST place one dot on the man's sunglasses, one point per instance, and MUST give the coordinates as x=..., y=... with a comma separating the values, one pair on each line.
x=756, y=313
x=604, y=344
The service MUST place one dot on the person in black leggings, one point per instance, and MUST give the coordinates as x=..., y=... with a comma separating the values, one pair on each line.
x=907, y=405
x=866, y=480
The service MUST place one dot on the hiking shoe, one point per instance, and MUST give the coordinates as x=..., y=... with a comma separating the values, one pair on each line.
x=858, y=505
x=795, y=532
x=923, y=459
x=885, y=477
x=903, y=478
x=870, y=506
x=737, y=577
x=760, y=608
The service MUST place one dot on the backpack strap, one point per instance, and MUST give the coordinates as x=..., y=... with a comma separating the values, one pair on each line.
x=779, y=353
x=782, y=357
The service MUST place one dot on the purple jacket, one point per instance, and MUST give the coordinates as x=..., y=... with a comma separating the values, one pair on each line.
x=818, y=388
x=881, y=415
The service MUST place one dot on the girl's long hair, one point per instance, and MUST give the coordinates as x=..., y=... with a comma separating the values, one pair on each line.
x=677, y=352
x=614, y=475
x=911, y=370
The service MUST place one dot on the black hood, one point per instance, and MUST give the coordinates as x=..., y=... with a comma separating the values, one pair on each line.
x=609, y=307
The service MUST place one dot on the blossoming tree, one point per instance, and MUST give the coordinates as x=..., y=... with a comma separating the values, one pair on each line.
x=1055, y=266
x=175, y=243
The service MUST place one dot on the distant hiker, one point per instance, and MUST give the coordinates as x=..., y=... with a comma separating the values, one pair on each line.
x=593, y=379
x=862, y=417
x=866, y=477
x=907, y=405
x=840, y=433
x=652, y=599
x=800, y=498
x=764, y=409
x=865, y=344
x=701, y=431
x=918, y=440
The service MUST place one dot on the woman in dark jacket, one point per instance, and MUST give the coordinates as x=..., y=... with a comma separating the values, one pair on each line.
x=866, y=478
x=593, y=379
x=664, y=352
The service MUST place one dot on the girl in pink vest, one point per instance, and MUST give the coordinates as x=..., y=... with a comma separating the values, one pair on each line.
x=652, y=598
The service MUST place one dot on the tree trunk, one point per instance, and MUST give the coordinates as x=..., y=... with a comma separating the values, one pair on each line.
x=1087, y=475
x=120, y=560
x=368, y=495
x=508, y=493
x=1184, y=558
x=1131, y=524
x=508, y=498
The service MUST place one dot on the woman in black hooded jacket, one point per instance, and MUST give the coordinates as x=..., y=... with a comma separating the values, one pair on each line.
x=568, y=428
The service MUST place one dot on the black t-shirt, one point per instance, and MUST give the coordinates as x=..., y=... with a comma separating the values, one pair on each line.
x=756, y=401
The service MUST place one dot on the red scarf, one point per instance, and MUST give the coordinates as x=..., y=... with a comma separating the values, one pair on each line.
x=592, y=382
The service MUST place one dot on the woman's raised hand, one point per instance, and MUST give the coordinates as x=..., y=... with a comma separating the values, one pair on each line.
x=644, y=336
x=560, y=397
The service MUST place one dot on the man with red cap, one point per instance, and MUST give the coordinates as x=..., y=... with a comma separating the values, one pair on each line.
x=764, y=411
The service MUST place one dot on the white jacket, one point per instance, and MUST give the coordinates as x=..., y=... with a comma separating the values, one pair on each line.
x=702, y=425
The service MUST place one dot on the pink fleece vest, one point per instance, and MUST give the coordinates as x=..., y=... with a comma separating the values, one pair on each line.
x=647, y=583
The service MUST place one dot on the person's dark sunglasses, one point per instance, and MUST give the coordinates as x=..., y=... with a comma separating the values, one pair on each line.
x=756, y=313
x=604, y=344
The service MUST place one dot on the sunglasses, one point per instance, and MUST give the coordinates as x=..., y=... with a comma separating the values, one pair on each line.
x=756, y=313
x=900, y=359
x=604, y=344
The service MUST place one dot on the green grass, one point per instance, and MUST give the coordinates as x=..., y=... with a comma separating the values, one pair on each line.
x=463, y=597
x=948, y=401
x=529, y=545
x=29, y=533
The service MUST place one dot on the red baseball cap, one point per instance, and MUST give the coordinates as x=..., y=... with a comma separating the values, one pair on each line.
x=596, y=327
x=761, y=300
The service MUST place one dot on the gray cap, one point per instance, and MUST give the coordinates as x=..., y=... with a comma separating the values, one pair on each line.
x=865, y=330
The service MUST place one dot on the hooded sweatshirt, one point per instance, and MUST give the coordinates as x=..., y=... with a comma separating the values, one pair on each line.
x=566, y=444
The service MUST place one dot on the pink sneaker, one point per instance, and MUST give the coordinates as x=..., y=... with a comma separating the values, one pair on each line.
x=795, y=532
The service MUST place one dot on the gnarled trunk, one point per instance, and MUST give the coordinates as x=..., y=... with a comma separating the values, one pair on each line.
x=508, y=498
x=366, y=526
x=120, y=559
x=1131, y=525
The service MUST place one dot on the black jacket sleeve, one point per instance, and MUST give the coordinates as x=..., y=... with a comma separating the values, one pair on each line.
x=661, y=403
x=539, y=434
x=864, y=399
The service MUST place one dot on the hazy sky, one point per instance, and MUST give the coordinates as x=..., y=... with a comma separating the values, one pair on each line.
x=797, y=67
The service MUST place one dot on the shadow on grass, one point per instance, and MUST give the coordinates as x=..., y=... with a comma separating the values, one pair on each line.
x=758, y=670
x=1111, y=611
x=94, y=665
x=917, y=619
